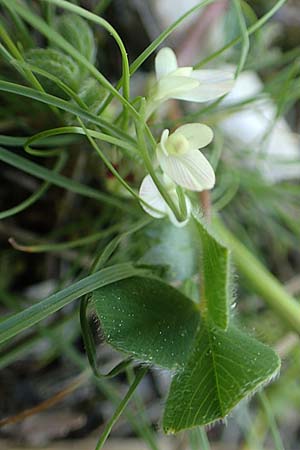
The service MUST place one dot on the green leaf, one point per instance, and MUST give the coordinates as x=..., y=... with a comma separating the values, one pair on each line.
x=172, y=247
x=78, y=33
x=62, y=43
x=65, y=106
x=216, y=278
x=56, y=63
x=223, y=368
x=148, y=319
x=92, y=94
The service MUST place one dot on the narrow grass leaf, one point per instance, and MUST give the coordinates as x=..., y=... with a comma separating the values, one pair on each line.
x=59, y=180
x=36, y=195
x=48, y=99
x=34, y=314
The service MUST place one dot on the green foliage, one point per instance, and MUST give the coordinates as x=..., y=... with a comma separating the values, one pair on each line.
x=216, y=278
x=174, y=248
x=223, y=368
x=30, y=316
x=148, y=319
x=78, y=33
x=156, y=324
x=56, y=63
x=55, y=178
x=92, y=94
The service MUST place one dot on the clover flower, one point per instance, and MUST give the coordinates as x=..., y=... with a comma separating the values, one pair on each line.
x=178, y=153
x=158, y=208
x=180, y=159
x=185, y=83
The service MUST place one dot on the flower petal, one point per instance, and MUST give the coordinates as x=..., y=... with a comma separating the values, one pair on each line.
x=197, y=134
x=191, y=170
x=212, y=84
x=182, y=72
x=184, y=222
x=174, y=86
x=163, y=140
x=151, y=195
x=165, y=62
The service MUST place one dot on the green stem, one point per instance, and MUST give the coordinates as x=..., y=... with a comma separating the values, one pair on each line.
x=198, y=439
x=245, y=37
x=111, y=392
x=118, y=412
x=75, y=130
x=250, y=31
x=263, y=282
x=102, y=22
x=271, y=420
x=103, y=258
x=26, y=72
x=30, y=316
x=106, y=161
x=101, y=6
x=181, y=201
x=15, y=52
x=153, y=46
x=37, y=194
x=90, y=346
x=58, y=180
x=36, y=22
x=60, y=246
x=139, y=406
x=141, y=126
x=65, y=105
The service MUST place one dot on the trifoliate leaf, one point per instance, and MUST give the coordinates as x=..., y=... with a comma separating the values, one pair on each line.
x=92, y=94
x=148, y=319
x=56, y=63
x=78, y=33
x=216, y=277
x=223, y=368
x=173, y=247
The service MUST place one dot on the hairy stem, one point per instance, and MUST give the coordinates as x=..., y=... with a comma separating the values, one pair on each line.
x=262, y=281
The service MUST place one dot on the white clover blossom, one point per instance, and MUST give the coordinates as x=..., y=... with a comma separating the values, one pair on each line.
x=180, y=159
x=185, y=83
x=158, y=208
x=178, y=153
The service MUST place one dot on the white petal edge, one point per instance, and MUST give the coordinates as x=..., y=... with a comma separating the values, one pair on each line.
x=182, y=72
x=174, y=86
x=184, y=222
x=197, y=134
x=165, y=62
x=191, y=170
x=151, y=195
x=212, y=85
x=213, y=76
x=163, y=140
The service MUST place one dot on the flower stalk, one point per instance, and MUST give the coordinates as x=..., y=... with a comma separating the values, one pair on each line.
x=262, y=281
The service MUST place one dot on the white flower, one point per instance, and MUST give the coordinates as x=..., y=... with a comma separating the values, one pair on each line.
x=184, y=83
x=180, y=159
x=151, y=195
x=274, y=147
